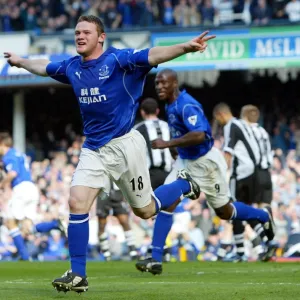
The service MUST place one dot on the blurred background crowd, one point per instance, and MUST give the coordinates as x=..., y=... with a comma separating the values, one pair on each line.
x=196, y=233
x=48, y=16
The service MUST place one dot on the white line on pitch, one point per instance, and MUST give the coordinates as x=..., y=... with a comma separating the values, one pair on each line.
x=224, y=283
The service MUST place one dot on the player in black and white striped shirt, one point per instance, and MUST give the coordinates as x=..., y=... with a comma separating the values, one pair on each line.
x=159, y=160
x=152, y=128
x=263, y=180
x=242, y=154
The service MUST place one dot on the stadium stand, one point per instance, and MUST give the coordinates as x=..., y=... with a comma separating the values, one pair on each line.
x=48, y=16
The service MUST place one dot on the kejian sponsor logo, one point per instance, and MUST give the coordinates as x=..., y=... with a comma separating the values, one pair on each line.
x=94, y=99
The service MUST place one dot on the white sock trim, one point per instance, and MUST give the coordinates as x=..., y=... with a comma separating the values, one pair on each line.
x=14, y=232
x=157, y=201
x=128, y=233
x=233, y=216
x=79, y=221
x=166, y=212
x=103, y=236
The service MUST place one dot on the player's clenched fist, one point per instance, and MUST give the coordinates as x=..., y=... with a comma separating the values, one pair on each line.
x=13, y=59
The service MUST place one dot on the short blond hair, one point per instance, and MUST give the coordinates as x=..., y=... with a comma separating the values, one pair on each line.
x=221, y=107
x=251, y=112
x=93, y=19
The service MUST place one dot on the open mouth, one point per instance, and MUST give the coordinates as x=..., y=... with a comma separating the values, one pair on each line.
x=81, y=43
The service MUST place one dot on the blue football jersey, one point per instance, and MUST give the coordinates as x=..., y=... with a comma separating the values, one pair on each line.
x=186, y=115
x=16, y=161
x=107, y=89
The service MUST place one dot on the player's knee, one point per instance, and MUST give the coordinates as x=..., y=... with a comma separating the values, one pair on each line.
x=72, y=202
x=143, y=214
x=76, y=205
x=224, y=212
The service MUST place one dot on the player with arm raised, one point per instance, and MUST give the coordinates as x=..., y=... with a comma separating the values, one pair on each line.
x=191, y=134
x=108, y=85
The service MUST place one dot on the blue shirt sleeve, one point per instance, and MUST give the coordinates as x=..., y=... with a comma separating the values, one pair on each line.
x=132, y=59
x=11, y=164
x=58, y=71
x=194, y=118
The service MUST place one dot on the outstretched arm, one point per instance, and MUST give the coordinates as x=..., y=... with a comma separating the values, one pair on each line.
x=190, y=139
x=161, y=54
x=34, y=66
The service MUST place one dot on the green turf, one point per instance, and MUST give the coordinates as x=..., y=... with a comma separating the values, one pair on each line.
x=184, y=281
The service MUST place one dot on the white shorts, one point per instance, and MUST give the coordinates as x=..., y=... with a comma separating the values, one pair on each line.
x=24, y=201
x=209, y=171
x=178, y=165
x=122, y=160
x=181, y=222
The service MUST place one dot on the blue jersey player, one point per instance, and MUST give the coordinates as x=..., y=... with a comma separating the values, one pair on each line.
x=107, y=85
x=191, y=134
x=23, y=203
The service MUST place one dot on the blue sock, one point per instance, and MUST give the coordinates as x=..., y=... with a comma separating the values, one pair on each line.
x=46, y=226
x=19, y=243
x=245, y=212
x=78, y=236
x=162, y=228
x=167, y=194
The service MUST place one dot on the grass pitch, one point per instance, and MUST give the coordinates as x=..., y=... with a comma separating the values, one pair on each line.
x=191, y=280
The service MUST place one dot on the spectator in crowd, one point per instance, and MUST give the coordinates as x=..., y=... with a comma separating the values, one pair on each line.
x=43, y=20
x=293, y=10
x=194, y=15
x=5, y=19
x=112, y=18
x=208, y=12
x=262, y=13
x=224, y=11
x=16, y=21
x=125, y=10
x=278, y=8
x=279, y=140
x=149, y=12
x=181, y=14
x=29, y=16
x=168, y=13
x=52, y=16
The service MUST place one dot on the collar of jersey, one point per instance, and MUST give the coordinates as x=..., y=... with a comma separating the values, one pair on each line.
x=182, y=93
x=93, y=62
x=8, y=152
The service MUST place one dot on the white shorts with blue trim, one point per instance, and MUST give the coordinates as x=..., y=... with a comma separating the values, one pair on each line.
x=209, y=171
x=122, y=160
x=23, y=203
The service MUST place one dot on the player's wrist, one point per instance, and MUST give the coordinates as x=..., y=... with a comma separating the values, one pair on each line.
x=185, y=47
x=20, y=63
x=170, y=144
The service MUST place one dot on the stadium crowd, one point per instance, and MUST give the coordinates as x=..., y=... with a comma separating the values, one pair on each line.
x=47, y=16
x=196, y=232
